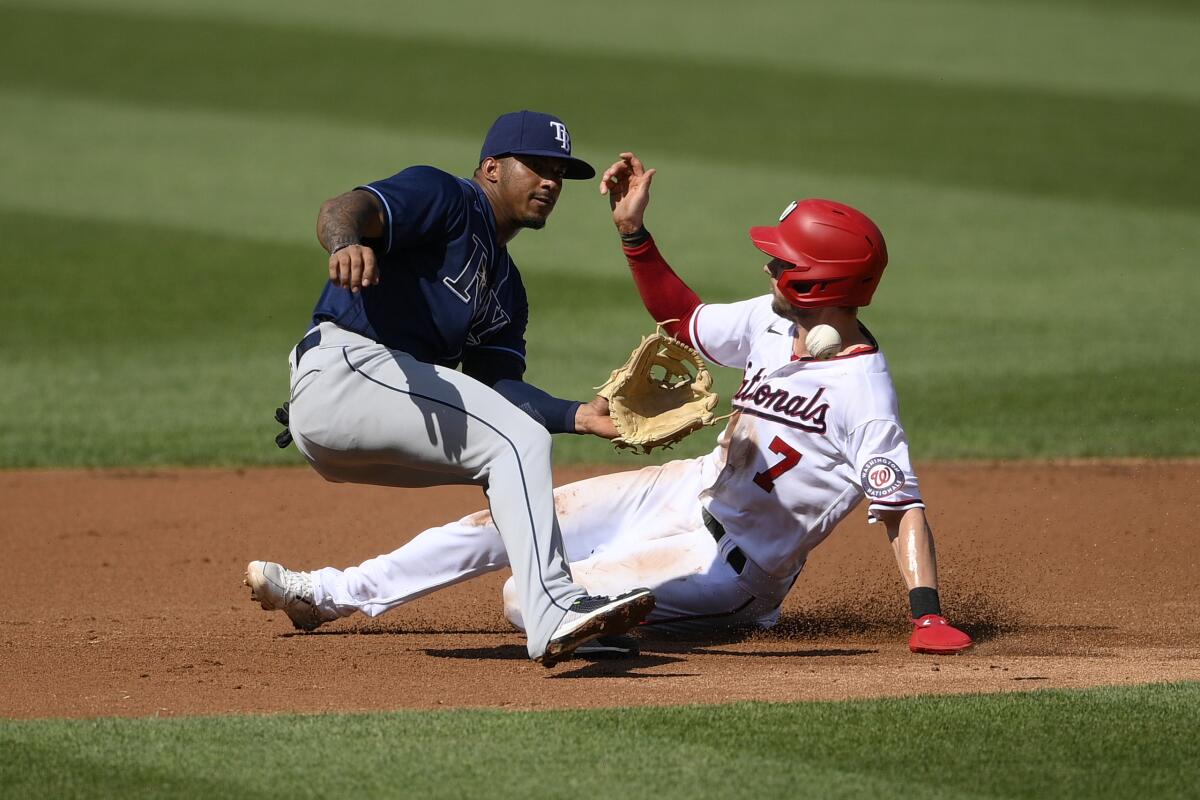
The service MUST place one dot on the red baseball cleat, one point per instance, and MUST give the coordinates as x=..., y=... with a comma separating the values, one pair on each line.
x=932, y=634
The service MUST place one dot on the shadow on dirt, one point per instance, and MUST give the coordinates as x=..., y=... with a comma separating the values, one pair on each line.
x=825, y=652
x=501, y=652
x=623, y=668
x=399, y=630
x=585, y=667
x=984, y=614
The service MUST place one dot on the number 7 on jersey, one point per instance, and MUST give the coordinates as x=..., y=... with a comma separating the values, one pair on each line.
x=766, y=479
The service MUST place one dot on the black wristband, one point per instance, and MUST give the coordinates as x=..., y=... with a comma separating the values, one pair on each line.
x=924, y=600
x=637, y=237
x=341, y=246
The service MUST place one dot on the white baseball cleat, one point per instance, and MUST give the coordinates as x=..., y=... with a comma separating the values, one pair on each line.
x=590, y=617
x=279, y=589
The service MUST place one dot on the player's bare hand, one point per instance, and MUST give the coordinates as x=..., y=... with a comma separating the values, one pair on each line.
x=593, y=418
x=627, y=184
x=353, y=267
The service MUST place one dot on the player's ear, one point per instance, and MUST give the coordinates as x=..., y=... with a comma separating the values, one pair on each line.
x=490, y=169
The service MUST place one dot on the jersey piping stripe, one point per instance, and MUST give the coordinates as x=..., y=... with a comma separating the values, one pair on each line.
x=386, y=208
x=516, y=454
x=896, y=503
x=516, y=353
x=695, y=336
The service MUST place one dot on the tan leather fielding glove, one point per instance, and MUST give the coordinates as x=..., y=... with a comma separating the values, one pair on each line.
x=660, y=395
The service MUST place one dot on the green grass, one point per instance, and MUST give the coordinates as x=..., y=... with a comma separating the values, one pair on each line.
x=1128, y=742
x=1019, y=139
x=1032, y=164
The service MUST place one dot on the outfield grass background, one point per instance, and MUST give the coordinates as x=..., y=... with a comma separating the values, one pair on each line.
x=1134, y=742
x=1032, y=165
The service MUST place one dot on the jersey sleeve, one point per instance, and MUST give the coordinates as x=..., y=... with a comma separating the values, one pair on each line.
x=725, y=332
x=879, y=450
x=419, y=203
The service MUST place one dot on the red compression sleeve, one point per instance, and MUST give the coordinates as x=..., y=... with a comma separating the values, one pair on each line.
x=663, y=293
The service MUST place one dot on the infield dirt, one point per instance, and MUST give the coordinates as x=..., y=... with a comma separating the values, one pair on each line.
x=123, y=596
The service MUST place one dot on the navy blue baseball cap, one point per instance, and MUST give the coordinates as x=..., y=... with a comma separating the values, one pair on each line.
x=534, y=134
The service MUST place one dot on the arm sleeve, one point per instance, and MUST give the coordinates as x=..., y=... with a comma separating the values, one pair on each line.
x=553, y=414
x=500, y=363
x=664, y=293
x=879, y=450
x=502, y=370
x=418, y=203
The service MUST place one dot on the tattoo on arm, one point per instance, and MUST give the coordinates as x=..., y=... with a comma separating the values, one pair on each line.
x=348, y=219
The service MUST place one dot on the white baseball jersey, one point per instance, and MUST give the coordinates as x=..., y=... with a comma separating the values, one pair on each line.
x=808, y=441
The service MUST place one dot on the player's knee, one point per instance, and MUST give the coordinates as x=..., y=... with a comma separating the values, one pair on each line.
x=531, y=440
x=539, y=442
x=512, y=608
x=523, y=445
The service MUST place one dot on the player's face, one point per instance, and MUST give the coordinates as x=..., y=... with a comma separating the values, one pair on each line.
x=774, y=268
x=779, y=305
x=530, y=186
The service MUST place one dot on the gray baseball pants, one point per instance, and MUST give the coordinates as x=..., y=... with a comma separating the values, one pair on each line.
x=363, y=413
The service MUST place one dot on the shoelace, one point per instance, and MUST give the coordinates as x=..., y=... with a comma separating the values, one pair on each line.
x=298, y=585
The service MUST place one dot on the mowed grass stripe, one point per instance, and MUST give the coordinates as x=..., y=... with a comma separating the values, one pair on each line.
x=1087, y=412
x=1070, y=45
x=1122, y=742
x=1037, y=142
x=984, y=259
x=142, y=344
x=249, y=175
x=237, y=173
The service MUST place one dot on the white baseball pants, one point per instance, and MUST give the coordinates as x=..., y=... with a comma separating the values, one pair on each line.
x=621, y=531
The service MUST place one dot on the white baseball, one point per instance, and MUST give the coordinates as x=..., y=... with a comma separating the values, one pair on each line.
x=823, y=342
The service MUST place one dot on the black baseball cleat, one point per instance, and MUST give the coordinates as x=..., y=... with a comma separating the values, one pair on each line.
x=609, y=647
x=591, y=617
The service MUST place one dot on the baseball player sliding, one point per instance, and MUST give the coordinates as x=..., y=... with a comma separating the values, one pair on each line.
x=722, y=538
x=420, y=281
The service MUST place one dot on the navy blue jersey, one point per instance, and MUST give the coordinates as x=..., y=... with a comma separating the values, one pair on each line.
x=446, y=288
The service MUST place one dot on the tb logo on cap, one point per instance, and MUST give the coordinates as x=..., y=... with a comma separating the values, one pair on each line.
x=561, y=136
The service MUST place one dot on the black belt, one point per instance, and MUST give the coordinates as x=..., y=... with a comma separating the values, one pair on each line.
x=308, y=343
x=736, y=558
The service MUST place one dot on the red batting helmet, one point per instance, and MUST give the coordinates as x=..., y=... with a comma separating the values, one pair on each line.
x=837, y=254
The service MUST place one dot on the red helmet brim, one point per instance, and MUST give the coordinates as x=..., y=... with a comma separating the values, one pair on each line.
x=768, y=239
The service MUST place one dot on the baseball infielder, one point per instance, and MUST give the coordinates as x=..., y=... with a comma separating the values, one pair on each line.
x=722, y=538
x=420, y=281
